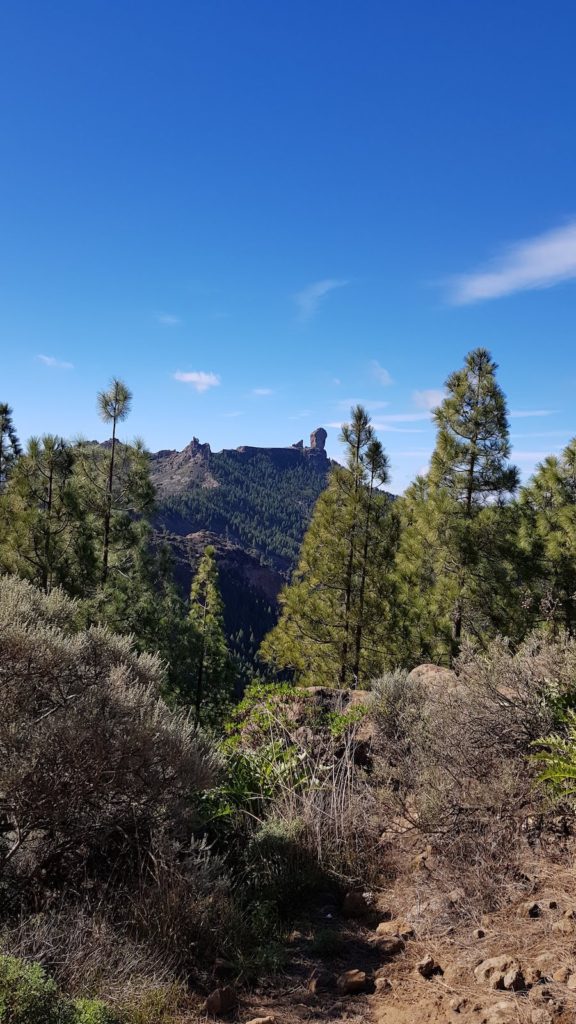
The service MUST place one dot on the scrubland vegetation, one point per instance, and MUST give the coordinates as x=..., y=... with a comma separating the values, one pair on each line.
x=411, y=724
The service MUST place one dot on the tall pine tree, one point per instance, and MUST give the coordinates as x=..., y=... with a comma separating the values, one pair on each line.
x=336, y=621
x=113, y=406
x=548, y=532
x=212, y=681
x=455, y=558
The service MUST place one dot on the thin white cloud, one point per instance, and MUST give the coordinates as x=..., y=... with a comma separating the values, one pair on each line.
x=336, y=381
x=199, y=379
x=168, y=319
x=232, y=415
x=390, y=428
x=310, y=297
x=381, y=374
x=519, y=414
x=262, y=392
x=304, y=415
x=535, y=263
x=382, y=427
x=429, y=399
x=56, y=364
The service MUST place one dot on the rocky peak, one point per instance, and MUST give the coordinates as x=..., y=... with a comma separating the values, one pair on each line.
x=318, y=439
x=195, y=448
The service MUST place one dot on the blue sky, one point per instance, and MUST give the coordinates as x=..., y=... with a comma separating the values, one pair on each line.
x=257, y=212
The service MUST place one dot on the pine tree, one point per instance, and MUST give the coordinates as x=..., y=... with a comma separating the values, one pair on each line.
x=212, y=681
x=47, y=538
x=148, y=605
x=114, y=406
x=336, y=615
x=116, y=490
x=548, y=533
x=10, y=448
x=456, y=556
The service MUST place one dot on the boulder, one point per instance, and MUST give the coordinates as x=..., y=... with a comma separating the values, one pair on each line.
x=434, y=678
x=356, y=905
x=499, y=1013
x=492, y=972
x=390, y=946
x=221, y=1002
x=395, y=928
x=513, y=980
x=428, y=967
x=351, y=982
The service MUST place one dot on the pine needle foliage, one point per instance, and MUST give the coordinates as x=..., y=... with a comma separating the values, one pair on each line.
x=455, y=566
x=212, y=675
x=10, y=449
x=336, y=614
x=548, y=535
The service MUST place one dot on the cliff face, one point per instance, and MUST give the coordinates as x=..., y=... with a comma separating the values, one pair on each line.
x=175, y=471
x=253, y=505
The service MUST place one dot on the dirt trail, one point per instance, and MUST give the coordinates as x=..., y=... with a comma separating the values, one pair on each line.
x=538, y=935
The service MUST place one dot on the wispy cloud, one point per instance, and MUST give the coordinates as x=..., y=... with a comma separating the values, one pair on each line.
x=538, y=262
x=56, y=364
x=199, y=379
x=382, y=426
x=305, y=414
x=262, y=392
x=381, y=374
x=168, y=319
x=310, y=297
x=520, y=414
x=232, y=415
x=429, y=399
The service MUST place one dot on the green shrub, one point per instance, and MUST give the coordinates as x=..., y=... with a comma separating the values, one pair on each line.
x=92, y=1011
x=27, y=994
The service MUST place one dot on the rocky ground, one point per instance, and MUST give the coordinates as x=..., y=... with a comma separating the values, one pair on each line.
x=405, y=965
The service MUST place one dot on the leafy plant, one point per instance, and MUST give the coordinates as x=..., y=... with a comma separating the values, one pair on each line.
x=27, y=994
x=557, y=758
x=92, y=1011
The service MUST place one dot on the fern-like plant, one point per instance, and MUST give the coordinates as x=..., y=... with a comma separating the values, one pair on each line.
x=557, y=758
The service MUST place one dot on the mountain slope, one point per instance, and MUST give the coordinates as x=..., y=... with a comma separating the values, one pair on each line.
x=258, y=498
x=253, y=506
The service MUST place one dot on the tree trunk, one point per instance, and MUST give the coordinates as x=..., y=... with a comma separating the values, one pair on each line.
x=108, y=511
x=362, y=588
x=200, y=676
